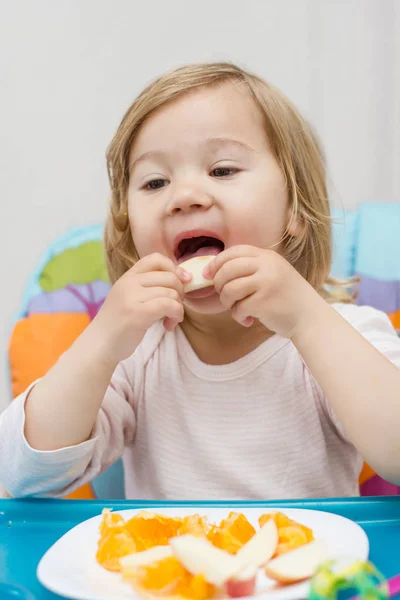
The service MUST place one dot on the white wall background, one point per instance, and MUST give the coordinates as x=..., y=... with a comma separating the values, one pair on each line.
x=70, y=68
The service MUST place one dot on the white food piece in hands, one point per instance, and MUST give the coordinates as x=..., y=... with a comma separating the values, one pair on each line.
x=138, y=559
x=261, y=547
x=297, y=564
x=200, y=557
x=195, y=266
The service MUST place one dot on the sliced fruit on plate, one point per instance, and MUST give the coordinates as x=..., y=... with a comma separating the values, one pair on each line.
x=148, y=529
x=110, y=520
x=114, y=541
x=200, y=557
x=261, y=547
x=169, y=578
x=298, y=564
x=243, y=583
x=291, y=533
x=112, y=546
x=130, y=562
x=120, y=538
x=232, y=533
x=195, y=525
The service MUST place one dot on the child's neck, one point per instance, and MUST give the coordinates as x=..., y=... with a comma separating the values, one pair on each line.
x=219, y=340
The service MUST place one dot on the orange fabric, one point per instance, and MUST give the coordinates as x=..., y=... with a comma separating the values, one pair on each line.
x=366, y=473
x=395, y=318
x=83, y=493
x=38, y=341
x=36, y=344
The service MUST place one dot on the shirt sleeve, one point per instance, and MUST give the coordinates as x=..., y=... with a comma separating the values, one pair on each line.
x=376, y=328
x=25, y=471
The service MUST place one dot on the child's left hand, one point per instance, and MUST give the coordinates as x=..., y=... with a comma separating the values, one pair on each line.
x=257, y=283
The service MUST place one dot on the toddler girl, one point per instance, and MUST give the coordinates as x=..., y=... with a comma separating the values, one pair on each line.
x=267, y=384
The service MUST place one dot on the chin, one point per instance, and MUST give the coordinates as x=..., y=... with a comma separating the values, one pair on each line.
x=205, y=306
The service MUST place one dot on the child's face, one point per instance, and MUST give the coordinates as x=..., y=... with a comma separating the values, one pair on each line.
x=202, y=166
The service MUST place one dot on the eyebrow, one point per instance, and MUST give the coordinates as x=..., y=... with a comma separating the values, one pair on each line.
x=216, y=143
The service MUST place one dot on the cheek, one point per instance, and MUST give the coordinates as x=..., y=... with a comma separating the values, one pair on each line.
x=262, y=219
x=144, y=228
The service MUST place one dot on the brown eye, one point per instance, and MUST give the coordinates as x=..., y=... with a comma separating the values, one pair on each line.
x=155, y=184
x=223, y=172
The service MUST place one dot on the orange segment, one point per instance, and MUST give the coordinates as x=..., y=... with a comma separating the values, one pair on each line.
x=110, y=521
x=112, y=547
x=291, y=534
x=194, y=525
x=148, y=530
x=114, y=541
x=119, y=538
x=168, y=577
x=232, y=533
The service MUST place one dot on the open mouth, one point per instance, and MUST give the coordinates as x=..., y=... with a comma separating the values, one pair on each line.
x=198, y=246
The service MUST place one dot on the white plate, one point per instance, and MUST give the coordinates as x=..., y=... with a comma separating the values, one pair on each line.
x=69, y=567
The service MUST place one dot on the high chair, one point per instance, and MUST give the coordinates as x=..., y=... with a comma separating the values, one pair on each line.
x=62, y=296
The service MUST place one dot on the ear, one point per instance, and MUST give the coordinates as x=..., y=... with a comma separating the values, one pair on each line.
x=296, y=224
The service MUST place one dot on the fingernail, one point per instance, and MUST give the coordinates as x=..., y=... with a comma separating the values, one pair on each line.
x=248, y=322
x=206, y=273
x=185, y=274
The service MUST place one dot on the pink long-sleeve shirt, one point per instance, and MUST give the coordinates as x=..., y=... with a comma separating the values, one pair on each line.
x=256, y=428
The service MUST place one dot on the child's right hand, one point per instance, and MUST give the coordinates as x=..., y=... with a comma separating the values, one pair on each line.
x=151, y=290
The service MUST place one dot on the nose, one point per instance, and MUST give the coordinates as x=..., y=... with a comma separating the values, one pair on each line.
x=189, y=198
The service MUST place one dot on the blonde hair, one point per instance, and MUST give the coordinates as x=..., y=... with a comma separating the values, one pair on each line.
x=295, y=147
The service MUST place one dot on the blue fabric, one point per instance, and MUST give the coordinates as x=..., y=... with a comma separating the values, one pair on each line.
x=344, y=238
x=378, y=241
x=110, y=484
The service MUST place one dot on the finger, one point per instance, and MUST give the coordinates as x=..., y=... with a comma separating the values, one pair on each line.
x=236, y=290
x=159, y=308
x=157, y=262
x=233, y=269
x=170, y=324
x=234, y=252
x=152, y=293
x=184, y=276
x=240, y=312
x=164, y=279
x=248, y=322
x=154, y=262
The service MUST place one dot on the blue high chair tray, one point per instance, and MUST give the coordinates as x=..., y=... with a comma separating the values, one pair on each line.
x=29, y=527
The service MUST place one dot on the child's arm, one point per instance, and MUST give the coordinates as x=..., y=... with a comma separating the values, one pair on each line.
x=362, y=385
x=75, y=423
x=26, y=471
x=61, y=409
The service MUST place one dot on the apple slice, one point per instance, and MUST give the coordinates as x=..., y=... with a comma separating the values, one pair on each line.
x=297, y=564
x=200, y=557
x=259, y=549
x=131, y=561
x=243, y=583
x=195, y=266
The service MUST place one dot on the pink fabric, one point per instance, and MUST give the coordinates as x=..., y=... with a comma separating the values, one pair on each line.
x=257, y=428
x=376, y=486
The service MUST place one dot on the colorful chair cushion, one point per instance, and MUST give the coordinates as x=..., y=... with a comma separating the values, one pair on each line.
x=62, y=297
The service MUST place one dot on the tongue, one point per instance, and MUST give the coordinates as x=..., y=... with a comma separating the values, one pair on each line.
x=204, y=251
